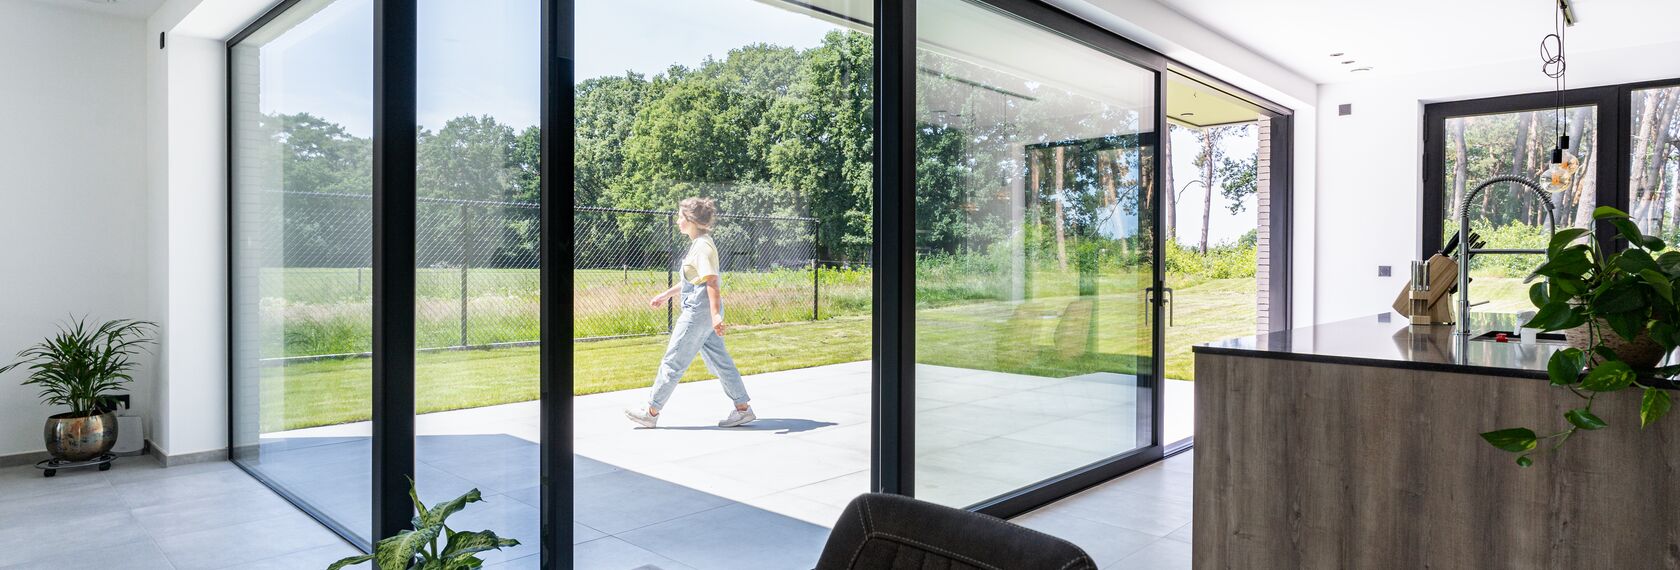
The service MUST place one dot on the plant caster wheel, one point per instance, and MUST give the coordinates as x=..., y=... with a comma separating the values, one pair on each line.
x=49, y=472
x=104, y=466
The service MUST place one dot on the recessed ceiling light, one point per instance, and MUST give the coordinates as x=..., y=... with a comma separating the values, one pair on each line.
x=1187, y=114
x=1337, y=54
x=1361, y=69
x=1347, y=62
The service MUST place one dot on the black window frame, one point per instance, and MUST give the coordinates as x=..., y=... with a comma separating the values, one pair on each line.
x=1614, y=124
x=892, y=346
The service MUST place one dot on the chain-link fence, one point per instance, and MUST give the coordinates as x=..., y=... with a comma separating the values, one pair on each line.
x=477, y=281
x=622, y=258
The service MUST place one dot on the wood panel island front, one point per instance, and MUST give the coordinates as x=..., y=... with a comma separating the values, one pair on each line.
x=1356, y=445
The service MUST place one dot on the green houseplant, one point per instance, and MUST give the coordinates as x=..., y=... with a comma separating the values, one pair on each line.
x=418, y=548
x=83, y=366
x=1620, y=309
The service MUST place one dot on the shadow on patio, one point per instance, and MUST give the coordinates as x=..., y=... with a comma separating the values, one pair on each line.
x=692, y=495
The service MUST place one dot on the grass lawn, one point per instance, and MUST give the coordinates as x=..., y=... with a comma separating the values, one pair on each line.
x=1056, y=337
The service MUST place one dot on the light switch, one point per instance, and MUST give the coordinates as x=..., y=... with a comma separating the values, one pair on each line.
x=1385, y=270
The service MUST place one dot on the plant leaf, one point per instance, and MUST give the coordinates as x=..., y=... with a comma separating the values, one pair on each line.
x=1584, y=419
x=1550, y=316
x=1562, y=239
x=1515, y=440
x=463, y=543
x=1607, y=212
x=350, y=561
x=1537, y=295
x=1524, y=461
x=397, y=552
x=1658, y=283
x=442, y=510
x=1670, y=263
x=1635, y=260
x=1564, y=368
x=1652, y=406
x=1608, y=376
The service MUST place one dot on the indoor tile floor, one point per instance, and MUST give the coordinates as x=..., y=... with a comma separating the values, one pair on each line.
x=142, y=517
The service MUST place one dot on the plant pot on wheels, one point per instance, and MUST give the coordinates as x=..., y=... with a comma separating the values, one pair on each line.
x=73, y=436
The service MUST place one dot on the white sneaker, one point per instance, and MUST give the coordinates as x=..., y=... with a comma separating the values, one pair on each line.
x=737, y=418
x=641, y=416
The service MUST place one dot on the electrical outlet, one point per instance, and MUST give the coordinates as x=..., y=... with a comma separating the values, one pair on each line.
x=1385, y=270
x=1344, y=109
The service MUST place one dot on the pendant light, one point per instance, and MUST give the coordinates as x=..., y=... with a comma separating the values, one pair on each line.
x=1560, y=174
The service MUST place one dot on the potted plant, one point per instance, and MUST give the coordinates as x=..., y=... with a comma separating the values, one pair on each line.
x=82, y=367
x=417, y=548
x=1620, y=313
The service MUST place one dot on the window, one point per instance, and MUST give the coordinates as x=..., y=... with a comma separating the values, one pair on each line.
x=301, y=109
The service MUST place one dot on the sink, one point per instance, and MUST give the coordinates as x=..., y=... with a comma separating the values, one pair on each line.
x=1554, y=337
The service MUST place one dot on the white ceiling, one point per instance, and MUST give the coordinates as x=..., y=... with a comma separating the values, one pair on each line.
x=120, y=8
x=1398, y=38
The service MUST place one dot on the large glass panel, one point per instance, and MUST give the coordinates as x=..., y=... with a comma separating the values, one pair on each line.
x=1654, y=162
x=477, y=295
x=765, y=108
x=1033, y=351
x=1483, y=146
x=302, y=166
x=1218, y=225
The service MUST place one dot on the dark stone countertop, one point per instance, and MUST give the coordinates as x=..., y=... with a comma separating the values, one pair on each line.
x=1387, y=340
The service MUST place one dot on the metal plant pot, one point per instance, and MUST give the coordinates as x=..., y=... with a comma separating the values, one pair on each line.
x=78, y=437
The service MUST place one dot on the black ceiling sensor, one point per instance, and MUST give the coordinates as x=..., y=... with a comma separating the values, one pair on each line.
x=1344, y=109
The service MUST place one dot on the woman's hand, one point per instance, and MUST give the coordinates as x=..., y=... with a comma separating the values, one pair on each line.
x=657, y=300
x=717, y=323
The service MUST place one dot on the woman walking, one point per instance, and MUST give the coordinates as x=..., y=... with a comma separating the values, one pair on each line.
x=699, y=329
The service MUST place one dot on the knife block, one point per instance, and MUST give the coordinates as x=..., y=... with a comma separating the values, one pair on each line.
x=1434, y=306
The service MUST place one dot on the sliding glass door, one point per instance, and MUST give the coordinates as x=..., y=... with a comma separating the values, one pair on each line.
x=934, y=239
x=1034, y=253
x=300, y=113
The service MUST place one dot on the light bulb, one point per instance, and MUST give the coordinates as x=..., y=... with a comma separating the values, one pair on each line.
x=1557, y=177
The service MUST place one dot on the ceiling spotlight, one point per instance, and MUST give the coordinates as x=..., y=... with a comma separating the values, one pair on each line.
x=1187, y=114
x=1361, y=69
x=1346, y=62
x=1337, y=54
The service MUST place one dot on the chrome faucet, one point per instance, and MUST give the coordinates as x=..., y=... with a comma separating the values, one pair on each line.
x=1466, y=249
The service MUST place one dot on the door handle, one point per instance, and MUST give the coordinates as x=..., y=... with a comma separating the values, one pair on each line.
x=1168, y=301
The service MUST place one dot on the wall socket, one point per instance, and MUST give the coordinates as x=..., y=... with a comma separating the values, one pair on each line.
x=1344, y=109
x=1385, y=270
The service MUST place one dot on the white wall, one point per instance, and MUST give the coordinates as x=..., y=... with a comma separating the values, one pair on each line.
x=187, y=140
x=1369, y=163
x=73, y=227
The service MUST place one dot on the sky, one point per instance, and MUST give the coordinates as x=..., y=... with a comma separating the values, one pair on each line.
x=483, y=56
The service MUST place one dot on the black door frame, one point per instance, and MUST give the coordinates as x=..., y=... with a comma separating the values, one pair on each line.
x=893, y=460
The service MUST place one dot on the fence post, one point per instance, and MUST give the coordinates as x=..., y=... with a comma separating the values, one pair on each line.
x=466, y=258
x=670, y=280
x=816, y=287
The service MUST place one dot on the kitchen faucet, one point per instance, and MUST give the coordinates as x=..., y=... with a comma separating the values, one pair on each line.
x=1468, y=249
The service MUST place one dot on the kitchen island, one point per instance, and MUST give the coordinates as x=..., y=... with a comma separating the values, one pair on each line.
x=1355, y=445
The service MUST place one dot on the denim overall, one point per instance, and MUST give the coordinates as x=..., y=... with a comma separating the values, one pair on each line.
x=692, y=333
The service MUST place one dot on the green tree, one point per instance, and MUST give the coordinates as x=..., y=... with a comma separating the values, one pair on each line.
x=467, y=159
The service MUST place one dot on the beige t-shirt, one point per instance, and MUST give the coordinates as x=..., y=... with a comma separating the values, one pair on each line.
x=701, y=261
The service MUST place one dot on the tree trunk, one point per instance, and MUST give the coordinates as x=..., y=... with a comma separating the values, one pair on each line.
x=1587, y=199
x=1643, y=135
x=1461, y=170
x=1169, y=192
x=1659, y=161
x=1209, y=141
x=1578, y=145
x=1061, y=234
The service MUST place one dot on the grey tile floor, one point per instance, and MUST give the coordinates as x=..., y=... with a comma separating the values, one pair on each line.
x=687, y=495
x=212, y=516
x=142, y=517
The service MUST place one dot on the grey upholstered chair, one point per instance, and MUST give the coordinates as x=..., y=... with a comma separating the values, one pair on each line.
x=890, y=532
